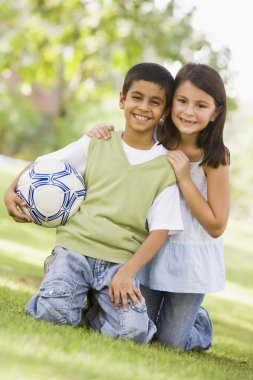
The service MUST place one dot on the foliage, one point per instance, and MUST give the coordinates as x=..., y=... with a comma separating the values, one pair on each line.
x=77, y=52
x=239, y=135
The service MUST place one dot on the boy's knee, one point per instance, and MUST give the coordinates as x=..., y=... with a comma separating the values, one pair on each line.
x=135, y=324
x=54, y=302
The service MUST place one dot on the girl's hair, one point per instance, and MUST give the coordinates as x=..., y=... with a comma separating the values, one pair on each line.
x=210, y=139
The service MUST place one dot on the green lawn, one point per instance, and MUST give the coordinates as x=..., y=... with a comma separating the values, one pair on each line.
x=34, y=350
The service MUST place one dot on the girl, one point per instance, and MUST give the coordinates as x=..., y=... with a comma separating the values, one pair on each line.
x=190, y=264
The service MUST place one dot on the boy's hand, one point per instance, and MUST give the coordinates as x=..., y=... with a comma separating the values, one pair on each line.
x=16, y=207
x=122, y=286
x=101, y=131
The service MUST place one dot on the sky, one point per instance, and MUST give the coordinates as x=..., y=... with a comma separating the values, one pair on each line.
x=228, y=23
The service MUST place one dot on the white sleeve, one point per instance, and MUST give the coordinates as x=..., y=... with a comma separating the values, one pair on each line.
x=165, y=213
x=75, y=154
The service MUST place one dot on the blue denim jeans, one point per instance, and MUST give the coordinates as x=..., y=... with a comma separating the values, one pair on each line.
x=63, y=293
x=180, y=320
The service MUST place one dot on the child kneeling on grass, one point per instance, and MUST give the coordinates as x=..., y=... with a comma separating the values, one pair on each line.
x=132, y=202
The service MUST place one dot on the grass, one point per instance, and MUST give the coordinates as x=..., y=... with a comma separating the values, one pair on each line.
x=34, y=350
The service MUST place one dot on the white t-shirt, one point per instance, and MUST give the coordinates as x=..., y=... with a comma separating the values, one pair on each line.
x=164, y=213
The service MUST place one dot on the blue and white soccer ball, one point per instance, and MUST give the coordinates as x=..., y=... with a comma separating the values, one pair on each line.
x=53, y=191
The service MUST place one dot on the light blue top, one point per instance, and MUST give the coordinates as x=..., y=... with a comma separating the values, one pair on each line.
x=190, y=261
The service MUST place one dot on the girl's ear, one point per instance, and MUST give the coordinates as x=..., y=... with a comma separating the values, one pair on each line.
x=121, y=100
x=215, y=113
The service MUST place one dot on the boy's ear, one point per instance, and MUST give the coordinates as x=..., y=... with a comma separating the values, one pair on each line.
x=163, y=117
x=165, y=114
x=121, y=100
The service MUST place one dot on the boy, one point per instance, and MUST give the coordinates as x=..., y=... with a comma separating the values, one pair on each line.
x=132, y=202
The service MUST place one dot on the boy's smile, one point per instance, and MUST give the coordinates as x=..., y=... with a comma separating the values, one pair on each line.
x=144, y=106
x=140, y=117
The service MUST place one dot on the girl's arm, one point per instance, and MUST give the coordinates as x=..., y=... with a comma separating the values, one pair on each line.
x=101, y=131
x=213, y=213
x=122, y=285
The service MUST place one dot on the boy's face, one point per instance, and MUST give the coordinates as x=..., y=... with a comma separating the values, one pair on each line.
x=144, y=106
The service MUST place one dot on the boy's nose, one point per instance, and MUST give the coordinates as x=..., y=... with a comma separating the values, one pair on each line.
x=143, y=106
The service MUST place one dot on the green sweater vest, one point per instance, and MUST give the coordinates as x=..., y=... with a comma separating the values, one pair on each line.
x=111, y=223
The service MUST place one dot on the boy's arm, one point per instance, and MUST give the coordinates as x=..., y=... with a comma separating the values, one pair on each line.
x=14, y=204
x=122, y=284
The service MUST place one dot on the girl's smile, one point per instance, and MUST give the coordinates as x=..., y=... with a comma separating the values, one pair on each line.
x=187, y=121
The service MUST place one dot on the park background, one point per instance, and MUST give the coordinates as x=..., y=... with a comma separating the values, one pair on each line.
x=61, y=69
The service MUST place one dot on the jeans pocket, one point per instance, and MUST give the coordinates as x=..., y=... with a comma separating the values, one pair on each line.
x=55, y=299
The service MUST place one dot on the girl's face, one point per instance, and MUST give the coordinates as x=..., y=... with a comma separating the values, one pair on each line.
x=192, y=109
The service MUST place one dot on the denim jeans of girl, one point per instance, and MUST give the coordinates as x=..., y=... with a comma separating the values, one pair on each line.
x=180, y=320
x=63, y=292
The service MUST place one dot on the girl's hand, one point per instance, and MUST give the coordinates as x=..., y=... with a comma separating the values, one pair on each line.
x=180, y=163
x=122, y=287
x=16, y=207
x=101, y=131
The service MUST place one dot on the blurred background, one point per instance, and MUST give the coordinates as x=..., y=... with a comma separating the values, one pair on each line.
x=62, y=64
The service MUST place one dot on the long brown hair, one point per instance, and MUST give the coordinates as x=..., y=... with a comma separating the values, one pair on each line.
x=210, y=139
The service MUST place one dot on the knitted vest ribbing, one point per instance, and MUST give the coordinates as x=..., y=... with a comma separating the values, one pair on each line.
x=111, y=223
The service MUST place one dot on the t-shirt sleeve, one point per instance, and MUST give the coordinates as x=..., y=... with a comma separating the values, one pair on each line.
x=165, y=213
x=75, y=154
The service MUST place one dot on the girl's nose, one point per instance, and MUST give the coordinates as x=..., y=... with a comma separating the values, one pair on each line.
x=189, y=109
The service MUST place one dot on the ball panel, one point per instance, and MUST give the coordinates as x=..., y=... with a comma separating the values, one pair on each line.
x=49, y=166
x=48, y=199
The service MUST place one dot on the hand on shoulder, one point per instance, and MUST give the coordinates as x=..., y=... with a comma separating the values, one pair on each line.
x=101, y=131
x=180, y=163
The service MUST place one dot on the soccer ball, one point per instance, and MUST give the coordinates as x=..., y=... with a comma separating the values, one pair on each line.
x=52, y=190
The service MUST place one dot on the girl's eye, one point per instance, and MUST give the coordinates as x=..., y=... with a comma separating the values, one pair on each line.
x=155, y=103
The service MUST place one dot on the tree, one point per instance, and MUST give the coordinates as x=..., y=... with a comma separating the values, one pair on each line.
x=77, y=51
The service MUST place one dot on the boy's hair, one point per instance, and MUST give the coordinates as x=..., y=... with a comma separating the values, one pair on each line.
x=150, y=72
x=210, y=139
